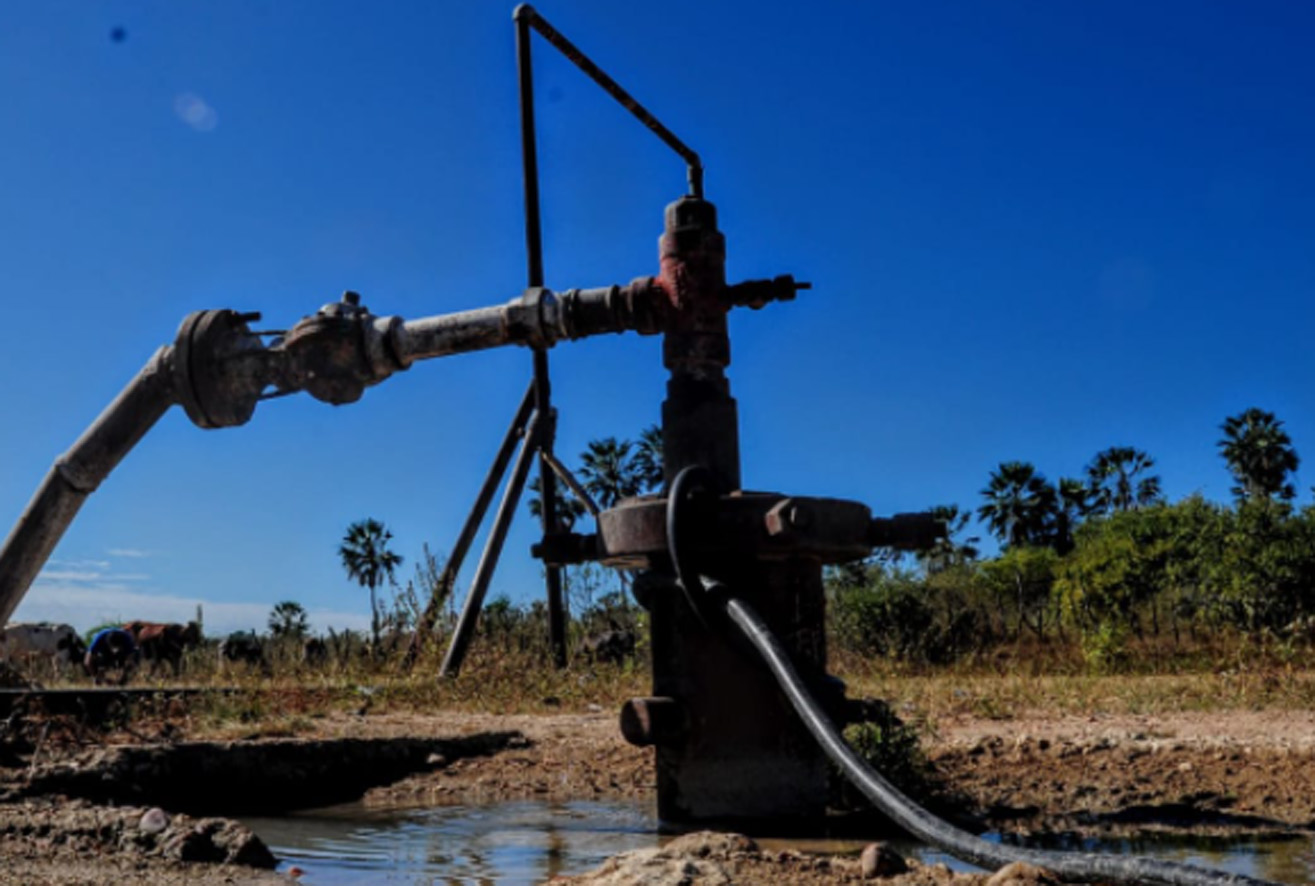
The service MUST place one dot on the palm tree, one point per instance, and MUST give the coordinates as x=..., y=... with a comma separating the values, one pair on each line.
x=1072, y=502
x=365, y=555
x=1259, y=454
x=648, y=458
x=1019, y=502
x=948, y=552
x=288, y=619
x=569, y=508
x=1117, y=482
x=608, y=471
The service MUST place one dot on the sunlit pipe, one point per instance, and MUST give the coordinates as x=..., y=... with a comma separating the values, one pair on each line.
x=217, y=369
x=77, y=473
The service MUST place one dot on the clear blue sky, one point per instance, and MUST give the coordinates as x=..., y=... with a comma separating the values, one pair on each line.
x=1035, y=230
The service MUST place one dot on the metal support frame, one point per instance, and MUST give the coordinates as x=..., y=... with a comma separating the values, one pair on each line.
x=448, y=579
x=488, y=560
x=722, y=746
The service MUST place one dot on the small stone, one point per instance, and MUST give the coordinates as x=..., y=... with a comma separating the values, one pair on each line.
x=879, y=860
x=153, y=821
x=1021, y=874
x=438, y=761
x=1185, y=767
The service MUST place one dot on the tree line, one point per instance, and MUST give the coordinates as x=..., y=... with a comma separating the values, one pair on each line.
x=1102, y=558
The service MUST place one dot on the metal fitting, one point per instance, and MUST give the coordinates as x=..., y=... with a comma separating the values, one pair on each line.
x=653, y=721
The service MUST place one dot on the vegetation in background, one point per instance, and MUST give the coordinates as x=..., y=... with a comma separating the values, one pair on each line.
x=288, y=619
x=365, y=555
x=1103, y=595
x=1100, y=566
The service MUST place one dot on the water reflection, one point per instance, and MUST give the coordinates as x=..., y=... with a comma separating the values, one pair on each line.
x=507, y=843
x=526, y=843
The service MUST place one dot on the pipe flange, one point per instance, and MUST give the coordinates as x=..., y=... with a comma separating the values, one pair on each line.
x=749, y=525
x=215, y=389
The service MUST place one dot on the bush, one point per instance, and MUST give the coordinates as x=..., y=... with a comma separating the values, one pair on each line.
x=897, y=614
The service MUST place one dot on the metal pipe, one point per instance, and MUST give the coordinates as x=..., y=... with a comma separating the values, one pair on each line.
x=529, y=150
x=448, y=334
x=488, y=561
x=452, y=567
x=542, y=384
x=77, y=473
x=548, y=511
x=527, y=16
x=573, y=484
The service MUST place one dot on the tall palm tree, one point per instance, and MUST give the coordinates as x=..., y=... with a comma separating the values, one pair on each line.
x=1119, y=480
x=365, y=555
x=1259, y=454
x=1018, y=505
x=608, y=471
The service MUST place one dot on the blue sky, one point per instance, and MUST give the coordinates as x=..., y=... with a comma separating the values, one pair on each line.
x=1034, y=230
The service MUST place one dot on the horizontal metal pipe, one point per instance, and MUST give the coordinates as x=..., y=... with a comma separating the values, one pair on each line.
x=456, y=333
x=78, y=472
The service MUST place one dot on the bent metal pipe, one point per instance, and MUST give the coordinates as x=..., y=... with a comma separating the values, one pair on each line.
x=218, y=369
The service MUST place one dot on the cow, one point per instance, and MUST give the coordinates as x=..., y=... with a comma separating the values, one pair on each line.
x=242, y=647
x=111, y=650
x=165, y=643
x=24, y=645
x=611, y=647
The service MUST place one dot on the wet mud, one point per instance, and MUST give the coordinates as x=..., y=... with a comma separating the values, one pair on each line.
x=79, y=814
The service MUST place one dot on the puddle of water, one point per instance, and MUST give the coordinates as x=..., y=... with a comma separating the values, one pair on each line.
x=517, y=844
x=510, y=844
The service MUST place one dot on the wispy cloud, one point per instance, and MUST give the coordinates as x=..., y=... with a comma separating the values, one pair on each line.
x=78, y=564
x=135, y=553
x=85, y=604
x=195, y=112
x=49, y=575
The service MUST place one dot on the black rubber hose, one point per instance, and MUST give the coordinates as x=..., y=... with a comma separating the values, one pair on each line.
x=708, y=597
x=1082, y=867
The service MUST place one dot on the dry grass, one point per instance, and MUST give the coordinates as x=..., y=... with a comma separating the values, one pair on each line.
x=1225, y=673
x=1017, y=681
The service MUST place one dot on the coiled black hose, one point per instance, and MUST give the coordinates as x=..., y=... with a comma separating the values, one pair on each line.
x=1082, y=867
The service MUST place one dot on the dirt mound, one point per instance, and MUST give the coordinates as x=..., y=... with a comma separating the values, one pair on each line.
x=44, y=828
x=712, y=859
x=1178, y=774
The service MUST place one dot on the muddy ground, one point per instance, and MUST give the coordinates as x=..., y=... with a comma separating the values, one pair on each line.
x=89, y=813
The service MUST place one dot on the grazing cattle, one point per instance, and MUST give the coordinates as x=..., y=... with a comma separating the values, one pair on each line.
x=112, y=650
x=242, y=647
x=165, y=643
x=612, y=647
x=314, y=652
x=29, y=644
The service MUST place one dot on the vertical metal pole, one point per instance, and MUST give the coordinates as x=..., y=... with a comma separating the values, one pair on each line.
x=542, y=389
x=473, y=520
x=488, y=561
